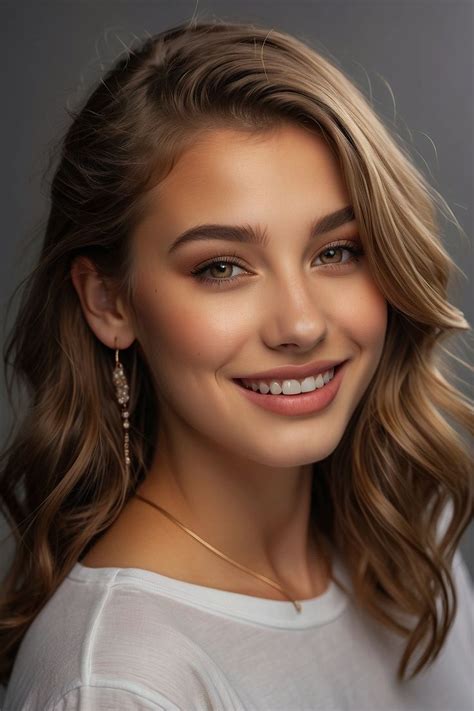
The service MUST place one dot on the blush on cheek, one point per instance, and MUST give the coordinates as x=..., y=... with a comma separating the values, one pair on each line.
x=179, y=337
x=364, y=313
x=375, y=308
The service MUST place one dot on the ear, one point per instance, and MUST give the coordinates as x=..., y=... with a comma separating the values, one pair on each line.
x=103, y=310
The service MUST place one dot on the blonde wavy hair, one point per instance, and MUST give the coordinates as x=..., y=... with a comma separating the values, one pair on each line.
x=380, y=495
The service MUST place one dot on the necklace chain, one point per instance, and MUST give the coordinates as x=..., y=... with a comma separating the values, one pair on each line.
x=222, y=555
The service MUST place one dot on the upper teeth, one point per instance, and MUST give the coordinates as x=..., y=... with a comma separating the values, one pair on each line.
x=291, y=387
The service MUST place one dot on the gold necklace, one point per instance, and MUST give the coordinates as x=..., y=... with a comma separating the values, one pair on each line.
x=222, y=555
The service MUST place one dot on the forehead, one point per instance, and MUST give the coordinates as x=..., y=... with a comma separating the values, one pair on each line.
x=234, y=159
x=258, y=177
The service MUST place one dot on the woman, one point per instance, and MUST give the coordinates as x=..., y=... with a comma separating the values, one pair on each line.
x=236, y=468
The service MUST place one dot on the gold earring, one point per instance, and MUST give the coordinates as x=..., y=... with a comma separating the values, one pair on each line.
x=122, y=395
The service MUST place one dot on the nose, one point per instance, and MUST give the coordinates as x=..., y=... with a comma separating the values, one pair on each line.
x=294, y=321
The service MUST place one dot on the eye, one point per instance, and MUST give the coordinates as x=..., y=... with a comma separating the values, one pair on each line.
x=334, y=250
x=224, y=265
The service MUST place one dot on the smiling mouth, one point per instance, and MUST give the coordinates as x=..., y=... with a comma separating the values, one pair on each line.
x=241, y=384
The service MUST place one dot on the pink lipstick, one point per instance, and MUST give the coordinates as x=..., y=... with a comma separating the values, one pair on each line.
x=303, y=404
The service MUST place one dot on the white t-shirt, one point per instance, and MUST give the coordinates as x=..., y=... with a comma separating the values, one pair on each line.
x=127, y=638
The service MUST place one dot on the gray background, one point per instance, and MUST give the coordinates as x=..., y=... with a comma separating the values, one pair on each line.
x=414, y=60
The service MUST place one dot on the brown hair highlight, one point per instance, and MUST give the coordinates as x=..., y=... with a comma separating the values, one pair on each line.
x=380, y=496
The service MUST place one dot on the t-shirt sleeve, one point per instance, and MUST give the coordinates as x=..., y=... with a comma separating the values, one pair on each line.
x=112, y=698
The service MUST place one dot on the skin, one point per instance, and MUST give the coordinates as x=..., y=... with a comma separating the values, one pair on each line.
x=235, y=474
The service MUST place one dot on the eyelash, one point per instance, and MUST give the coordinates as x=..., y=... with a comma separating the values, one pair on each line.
x=230, y=259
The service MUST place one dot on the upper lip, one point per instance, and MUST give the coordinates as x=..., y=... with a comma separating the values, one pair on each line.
x=297, y=372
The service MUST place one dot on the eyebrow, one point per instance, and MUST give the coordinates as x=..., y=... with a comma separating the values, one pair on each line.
x=252, y=235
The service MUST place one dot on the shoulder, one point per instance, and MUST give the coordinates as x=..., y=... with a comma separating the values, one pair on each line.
x=113, y=644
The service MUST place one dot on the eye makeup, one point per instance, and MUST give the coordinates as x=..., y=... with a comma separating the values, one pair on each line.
x=353, y=248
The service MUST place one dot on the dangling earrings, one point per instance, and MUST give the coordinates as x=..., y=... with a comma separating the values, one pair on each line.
x=121, y=390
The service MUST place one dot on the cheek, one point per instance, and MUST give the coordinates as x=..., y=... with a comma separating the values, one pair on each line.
x=178, y=332
x=363, y=316
x=185, y=344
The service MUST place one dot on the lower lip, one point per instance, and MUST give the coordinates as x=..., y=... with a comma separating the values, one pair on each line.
x=303, y=404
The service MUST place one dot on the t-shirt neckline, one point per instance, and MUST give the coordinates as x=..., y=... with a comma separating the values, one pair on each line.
x=272, y=613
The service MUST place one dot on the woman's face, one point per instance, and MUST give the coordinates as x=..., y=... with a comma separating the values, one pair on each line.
x=288, y=302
